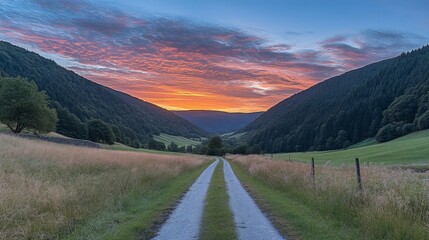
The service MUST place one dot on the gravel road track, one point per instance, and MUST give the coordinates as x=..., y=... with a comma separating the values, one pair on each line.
x=251, y=223
x=184, y=223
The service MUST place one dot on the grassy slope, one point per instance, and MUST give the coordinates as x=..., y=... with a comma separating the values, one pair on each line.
x=3, y=128
x=364, y=143
x=218, y=222
x=407, y=150
x=165, y=138
x=122, y=147
x=180, y=141
x=292, y=217
x=232, y=135
x=58, y=191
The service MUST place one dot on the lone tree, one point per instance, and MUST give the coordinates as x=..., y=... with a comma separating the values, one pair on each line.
x=215, y=146
x=22, y=106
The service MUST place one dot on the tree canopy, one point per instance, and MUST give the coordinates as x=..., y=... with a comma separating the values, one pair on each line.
x=101, y=132
x=22, y=106
x=215, y=146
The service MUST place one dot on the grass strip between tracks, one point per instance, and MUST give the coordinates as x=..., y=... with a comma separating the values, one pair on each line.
x=218, y=222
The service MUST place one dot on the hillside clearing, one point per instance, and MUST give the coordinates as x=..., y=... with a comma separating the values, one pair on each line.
x=233, y=135
x=179, y=140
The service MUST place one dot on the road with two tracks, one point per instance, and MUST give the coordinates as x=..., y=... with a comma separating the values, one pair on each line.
x=185, y=221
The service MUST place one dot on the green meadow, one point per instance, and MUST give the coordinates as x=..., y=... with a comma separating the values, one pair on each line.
x=411, y=150
x=179, y=140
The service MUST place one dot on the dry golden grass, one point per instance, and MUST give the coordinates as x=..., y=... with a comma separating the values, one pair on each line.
x=47, y=188
x=393, y=205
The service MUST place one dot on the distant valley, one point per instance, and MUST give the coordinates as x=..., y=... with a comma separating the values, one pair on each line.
x=217, y=122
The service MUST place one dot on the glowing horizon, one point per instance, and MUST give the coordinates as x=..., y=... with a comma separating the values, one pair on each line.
x=240, y=62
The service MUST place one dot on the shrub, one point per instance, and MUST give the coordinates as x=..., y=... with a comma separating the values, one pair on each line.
x=155, y=145
x=173, y=147
x=408, y=128
x=389, y=132
x=241, y=149
x=423, y=121
x=255, y=149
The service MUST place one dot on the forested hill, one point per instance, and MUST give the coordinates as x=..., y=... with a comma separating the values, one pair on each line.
x=74, y=96
x=217, y=121
x=385, y=99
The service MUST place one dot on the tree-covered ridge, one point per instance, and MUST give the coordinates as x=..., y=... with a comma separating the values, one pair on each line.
x=349, y=108
x=74, y=96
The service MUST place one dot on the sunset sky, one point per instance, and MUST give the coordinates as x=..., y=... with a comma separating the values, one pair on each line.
x=236, y=55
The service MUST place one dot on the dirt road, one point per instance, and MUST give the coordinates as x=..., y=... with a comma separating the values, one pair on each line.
x=250, y=222
x=185, y=221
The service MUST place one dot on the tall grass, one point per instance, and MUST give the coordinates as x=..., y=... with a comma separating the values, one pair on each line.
x=393, y=205
x=47, y=189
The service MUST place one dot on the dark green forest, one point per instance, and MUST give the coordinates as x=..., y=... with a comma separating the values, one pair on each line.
x=78, y=101
x=385, y=100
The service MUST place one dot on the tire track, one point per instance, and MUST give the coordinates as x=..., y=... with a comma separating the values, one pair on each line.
x=185, y=221
x=251, y=223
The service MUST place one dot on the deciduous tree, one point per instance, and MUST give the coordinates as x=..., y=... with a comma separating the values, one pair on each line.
x=22, y=106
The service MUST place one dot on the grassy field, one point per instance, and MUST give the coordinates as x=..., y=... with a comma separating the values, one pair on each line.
x=51, y=191
x=394, y=203
x=3, y=128
x=232, y=135
x=180, y=141
x=121, y=147
x=217, y=222
x=412, y=149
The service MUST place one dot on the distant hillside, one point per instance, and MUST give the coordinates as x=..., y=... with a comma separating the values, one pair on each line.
x=85, y=99
x=387, y=99
x=218, y=122
x=180, y=141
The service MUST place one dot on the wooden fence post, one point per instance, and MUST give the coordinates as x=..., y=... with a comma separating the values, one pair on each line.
x=313, y=173
x=359, y=179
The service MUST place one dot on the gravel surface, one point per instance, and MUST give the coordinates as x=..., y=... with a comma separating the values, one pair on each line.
x=251, y=223
x=185, y=221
